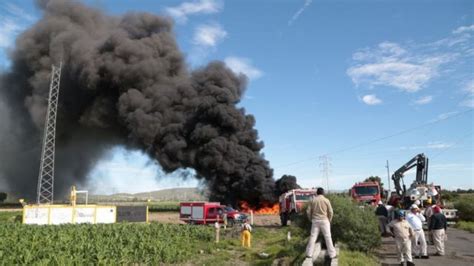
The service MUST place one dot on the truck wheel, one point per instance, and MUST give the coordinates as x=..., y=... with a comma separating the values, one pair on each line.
x=231, y=222
x=284, y=219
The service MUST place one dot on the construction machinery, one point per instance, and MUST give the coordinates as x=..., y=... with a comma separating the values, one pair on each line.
x=419, y=189
x=419, y=192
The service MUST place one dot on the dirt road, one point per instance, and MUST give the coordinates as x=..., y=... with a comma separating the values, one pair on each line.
x=459, y=251
x=173, y=217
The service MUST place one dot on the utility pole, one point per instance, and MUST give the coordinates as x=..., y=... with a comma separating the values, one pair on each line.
x=388, y=176
x=45, y=190
x=325, y=164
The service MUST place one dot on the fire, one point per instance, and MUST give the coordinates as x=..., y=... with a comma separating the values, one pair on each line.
x=268, y=208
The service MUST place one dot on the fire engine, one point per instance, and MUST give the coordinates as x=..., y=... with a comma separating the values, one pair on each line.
x=292, y=202
x=366, y=192
x=208, y=213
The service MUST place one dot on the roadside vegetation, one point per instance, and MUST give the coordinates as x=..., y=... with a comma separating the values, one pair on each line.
x=356, y=258
x=467, y=226
x=10, y=216
x=354, y=226
x=164, y=206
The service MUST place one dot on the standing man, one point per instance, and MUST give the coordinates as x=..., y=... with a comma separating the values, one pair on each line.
x=402, y=232
x=418, y=243
x=320, y=213
x=382, y=215
x=437, y=228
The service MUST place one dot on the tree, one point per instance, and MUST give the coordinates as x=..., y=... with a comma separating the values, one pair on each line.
x=3, y=196
x=375, y=179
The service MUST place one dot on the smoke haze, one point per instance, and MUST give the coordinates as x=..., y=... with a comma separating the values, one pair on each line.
x=124, y=83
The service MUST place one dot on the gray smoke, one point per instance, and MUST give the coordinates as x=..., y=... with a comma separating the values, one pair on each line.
x=125, y=82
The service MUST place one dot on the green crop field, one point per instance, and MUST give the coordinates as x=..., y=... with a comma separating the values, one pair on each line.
x=109, y=244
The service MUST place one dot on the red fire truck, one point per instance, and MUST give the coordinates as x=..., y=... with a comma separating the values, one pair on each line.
x=366, y=192
x=291, y=203
x=208, y=212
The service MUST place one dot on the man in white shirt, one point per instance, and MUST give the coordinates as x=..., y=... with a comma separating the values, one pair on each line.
x=416, y=219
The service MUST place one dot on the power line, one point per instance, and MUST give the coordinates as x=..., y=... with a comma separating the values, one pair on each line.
x=383, y=138
x=458, y=141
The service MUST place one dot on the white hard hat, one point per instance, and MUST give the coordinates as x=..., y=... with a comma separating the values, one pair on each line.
x=417, y=202
x=380, y=202
x=413, y=207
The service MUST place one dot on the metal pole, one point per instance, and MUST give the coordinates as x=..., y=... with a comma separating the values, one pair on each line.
x=388, y=177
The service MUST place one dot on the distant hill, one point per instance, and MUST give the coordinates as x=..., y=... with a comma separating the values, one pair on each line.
x=172, y=194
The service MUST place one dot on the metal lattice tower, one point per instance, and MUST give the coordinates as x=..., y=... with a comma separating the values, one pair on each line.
x=46, y=174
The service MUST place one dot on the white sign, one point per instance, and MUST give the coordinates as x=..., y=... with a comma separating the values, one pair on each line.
x=61, y=215
x=36, y=215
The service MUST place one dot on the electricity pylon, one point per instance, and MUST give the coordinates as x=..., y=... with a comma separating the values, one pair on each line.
x=46, y=173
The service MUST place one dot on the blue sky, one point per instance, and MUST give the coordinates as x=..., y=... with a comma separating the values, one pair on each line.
x=361, y=81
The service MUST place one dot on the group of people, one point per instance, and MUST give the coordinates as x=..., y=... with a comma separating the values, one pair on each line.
x=245, y=229
x=407, y=229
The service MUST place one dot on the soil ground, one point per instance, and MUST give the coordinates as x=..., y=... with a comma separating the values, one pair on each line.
x=173, y=217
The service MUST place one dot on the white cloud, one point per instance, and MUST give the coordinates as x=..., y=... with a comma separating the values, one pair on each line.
x=436, y=145
x=468, y=103
x=8, y=30
x=300, y=11
x=469, y=91
x=446, y=115
x=391, y=65
x=463, y=29
x=18, y=12
x=424, y=100
x=181, y=12
x=244, y=66
x=469, y=87
x=209, y=35
x=12, y=22
x=371, y=99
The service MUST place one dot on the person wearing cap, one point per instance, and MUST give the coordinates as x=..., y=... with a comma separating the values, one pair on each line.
x=382, y=216
x=418, y=243
x=437, y=228
x=402, y=232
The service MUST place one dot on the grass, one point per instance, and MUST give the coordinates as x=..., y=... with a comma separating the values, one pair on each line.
x=467, y=226
x=10, y=216
x=164, y=206
x=356, y=258
x=270, y=240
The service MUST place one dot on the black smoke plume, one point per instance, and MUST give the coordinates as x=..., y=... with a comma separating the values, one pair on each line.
x=285, y=184
x=125, y=82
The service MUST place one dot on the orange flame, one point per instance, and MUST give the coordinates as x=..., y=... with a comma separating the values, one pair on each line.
x=268, y=208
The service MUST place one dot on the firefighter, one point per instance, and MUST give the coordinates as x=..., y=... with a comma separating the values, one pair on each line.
x=245, y=234
x=402, y=233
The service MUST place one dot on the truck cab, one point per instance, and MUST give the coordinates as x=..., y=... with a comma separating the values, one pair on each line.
x=366, y=193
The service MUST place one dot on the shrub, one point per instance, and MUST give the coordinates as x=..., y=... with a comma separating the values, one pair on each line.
x=355, y=226
x=3, y=196
x=465, y=207
x=467, y=226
